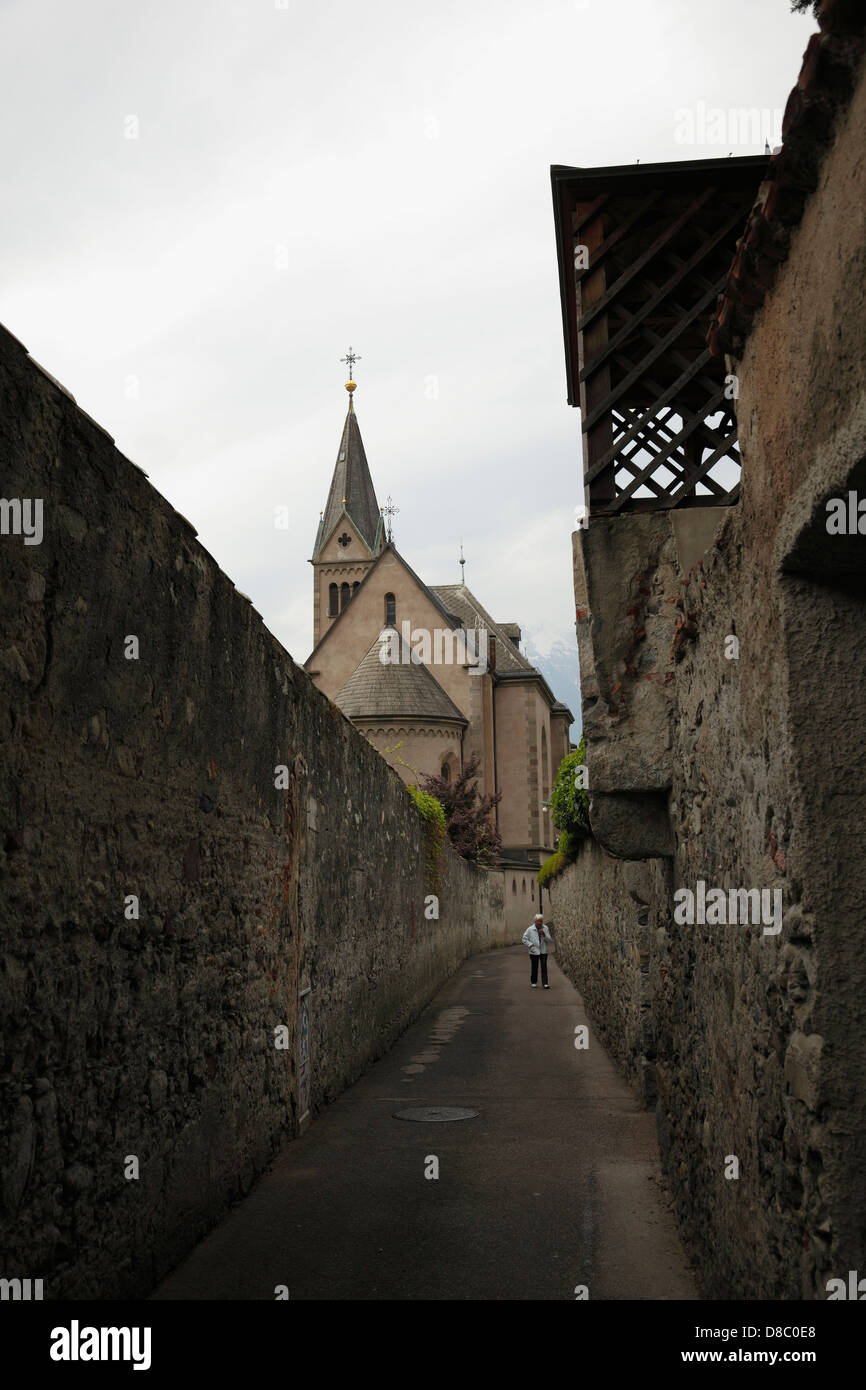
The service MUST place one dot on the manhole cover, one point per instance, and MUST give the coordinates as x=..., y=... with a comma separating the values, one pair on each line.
x=432, y=1113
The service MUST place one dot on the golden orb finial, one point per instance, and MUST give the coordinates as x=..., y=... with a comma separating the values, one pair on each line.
x=350, y=359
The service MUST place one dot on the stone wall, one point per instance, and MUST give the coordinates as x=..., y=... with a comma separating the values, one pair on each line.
x=167, y=892
x=606, y=914
x=725, y=721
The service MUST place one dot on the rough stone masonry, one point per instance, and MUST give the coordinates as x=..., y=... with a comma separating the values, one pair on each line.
x=746, y=771
x=166, y=893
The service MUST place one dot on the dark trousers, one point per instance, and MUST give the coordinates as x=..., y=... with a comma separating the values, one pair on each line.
x=533, y=965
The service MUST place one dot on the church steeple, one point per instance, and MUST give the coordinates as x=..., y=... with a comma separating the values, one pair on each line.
x=352, y=488
x=351, y=530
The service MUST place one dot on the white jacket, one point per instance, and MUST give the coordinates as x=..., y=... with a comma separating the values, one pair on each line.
x=537, y=944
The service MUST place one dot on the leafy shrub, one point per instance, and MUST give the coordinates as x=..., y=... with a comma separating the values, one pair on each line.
x=569, y=803
x=471, y=828
x=437, y=833
x=569, y=843
x=551, y=867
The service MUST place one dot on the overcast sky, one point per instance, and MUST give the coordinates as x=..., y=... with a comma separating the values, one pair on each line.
x=308, y=176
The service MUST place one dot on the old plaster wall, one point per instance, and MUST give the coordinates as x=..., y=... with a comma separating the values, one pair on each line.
x=189, y=838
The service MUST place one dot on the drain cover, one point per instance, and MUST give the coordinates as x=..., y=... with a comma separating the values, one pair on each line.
x=432, y=1113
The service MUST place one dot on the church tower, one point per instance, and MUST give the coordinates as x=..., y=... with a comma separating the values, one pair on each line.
x=351, y=530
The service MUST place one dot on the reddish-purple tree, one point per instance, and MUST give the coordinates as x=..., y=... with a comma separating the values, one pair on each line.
x=471, y=827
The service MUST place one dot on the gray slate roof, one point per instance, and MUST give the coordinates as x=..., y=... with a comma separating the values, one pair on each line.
x=465, y=606
x=351, y=480
x=388, y=690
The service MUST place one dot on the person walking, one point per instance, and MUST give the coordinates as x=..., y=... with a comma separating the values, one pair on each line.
x=536, y=938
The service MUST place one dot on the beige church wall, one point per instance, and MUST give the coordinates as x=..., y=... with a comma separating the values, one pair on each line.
x=512, y=760
x=489, y=758
x=559, y=726
x=533, y=784
x=510, y=926
x=351, y=640
x=339, y=655
x=521, y=899
x=414, y=750
x=332, y=574
x=477, y=738
x=522, y=713
x=336, y=565
x=334, y=553
x=458, y=682
x=549, y=835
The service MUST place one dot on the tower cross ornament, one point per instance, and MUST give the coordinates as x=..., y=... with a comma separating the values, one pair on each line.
x=350, y=359
x=390, y=511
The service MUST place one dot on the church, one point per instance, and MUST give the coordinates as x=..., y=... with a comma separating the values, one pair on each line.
x=425, y=673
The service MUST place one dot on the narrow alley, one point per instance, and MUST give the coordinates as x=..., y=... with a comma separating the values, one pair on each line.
x=552, y=1184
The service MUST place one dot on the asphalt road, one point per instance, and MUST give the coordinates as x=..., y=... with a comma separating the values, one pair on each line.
x=554, y=1184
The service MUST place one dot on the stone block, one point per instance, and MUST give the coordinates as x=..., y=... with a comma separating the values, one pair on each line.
x=803, y=1067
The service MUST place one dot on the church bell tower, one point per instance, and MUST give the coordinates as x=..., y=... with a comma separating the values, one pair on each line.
x=351, y=529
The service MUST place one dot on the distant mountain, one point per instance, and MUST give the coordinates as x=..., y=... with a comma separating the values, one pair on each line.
x=561, y=671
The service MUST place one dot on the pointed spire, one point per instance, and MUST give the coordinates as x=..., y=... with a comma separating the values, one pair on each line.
x=462, y=566
x=351, y=488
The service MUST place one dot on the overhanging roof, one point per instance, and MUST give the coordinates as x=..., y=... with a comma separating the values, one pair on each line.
x=573, y=184
x=643, y=251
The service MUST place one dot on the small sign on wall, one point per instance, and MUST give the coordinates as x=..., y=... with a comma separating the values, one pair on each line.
x=304, y=1060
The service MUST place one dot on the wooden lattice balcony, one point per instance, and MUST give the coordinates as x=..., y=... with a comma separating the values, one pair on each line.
x=644, y=252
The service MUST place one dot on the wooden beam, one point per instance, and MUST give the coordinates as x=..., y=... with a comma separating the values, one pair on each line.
x=653, y=250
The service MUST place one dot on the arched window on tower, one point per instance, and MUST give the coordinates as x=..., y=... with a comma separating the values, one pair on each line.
x=345, y=595
x=445, y=771
x=355, y=587
x=333, y=600
x=390, y=611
